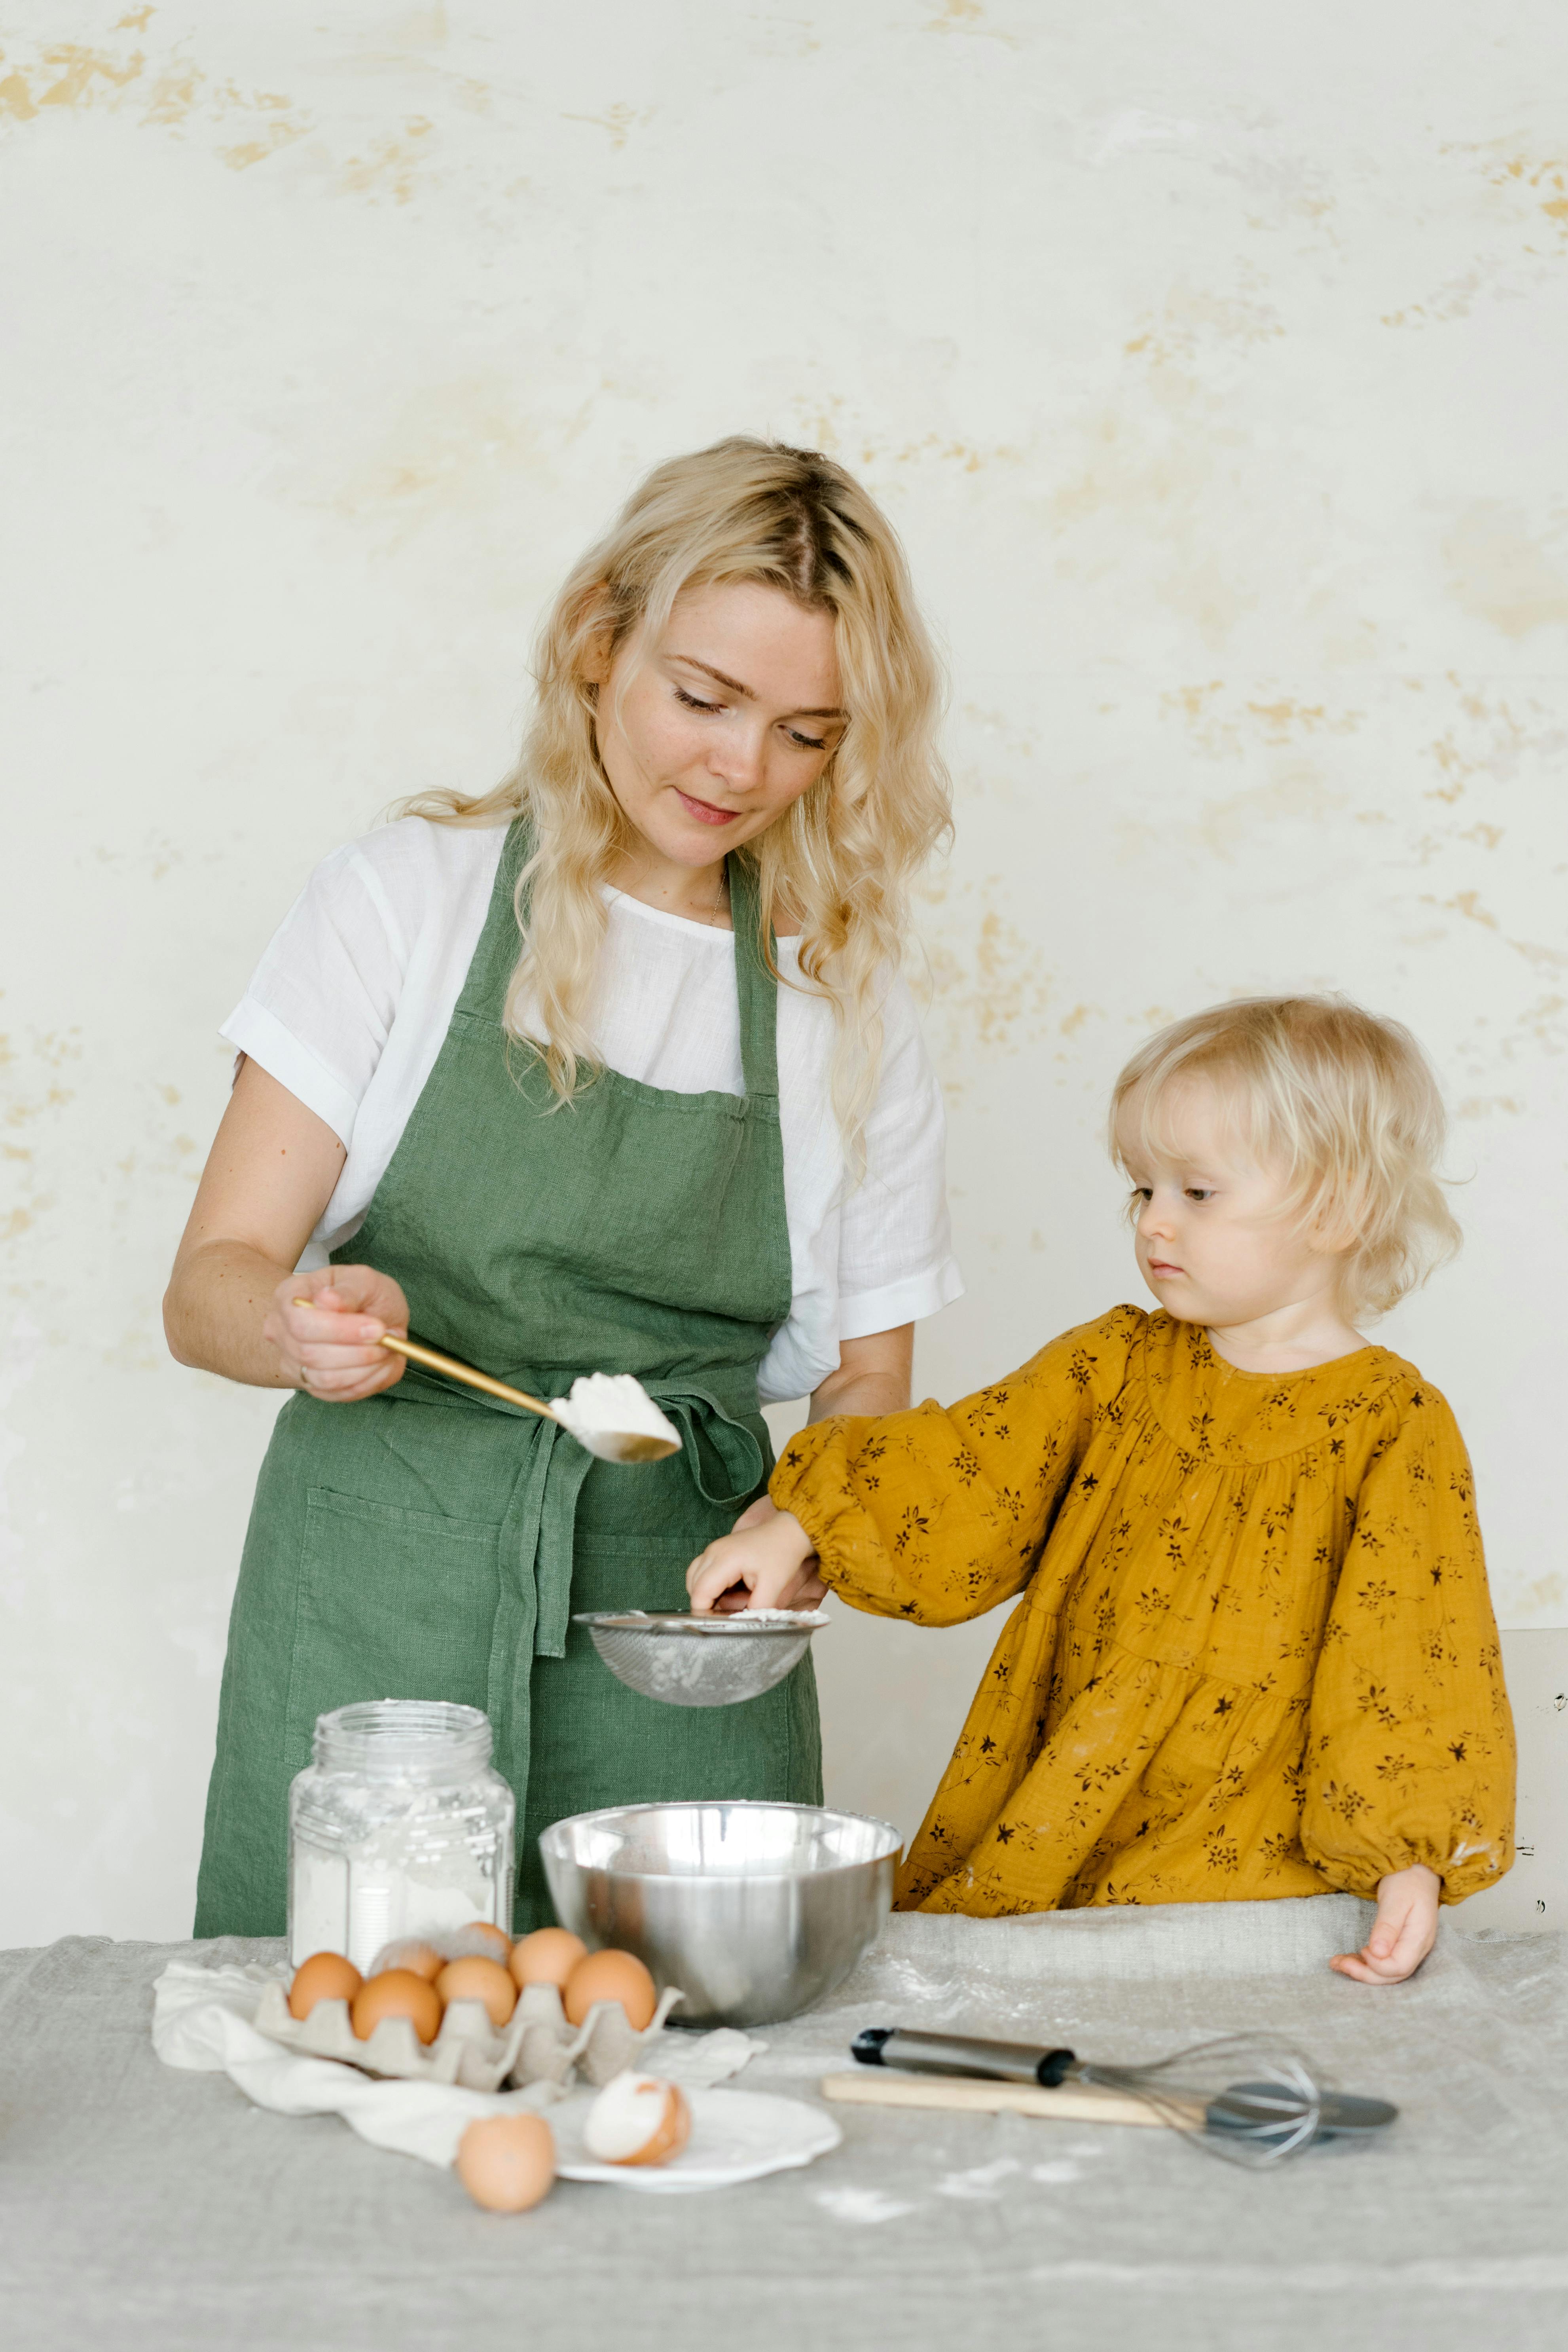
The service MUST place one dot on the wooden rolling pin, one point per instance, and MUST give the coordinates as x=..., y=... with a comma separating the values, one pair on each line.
x=1074, y=2102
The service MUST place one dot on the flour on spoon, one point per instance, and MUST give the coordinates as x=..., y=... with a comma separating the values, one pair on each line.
x=603, y=1406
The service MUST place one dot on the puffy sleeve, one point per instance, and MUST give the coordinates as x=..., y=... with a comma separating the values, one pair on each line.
x=937, y=1515
x=1410, y=1752
x=321, y=1001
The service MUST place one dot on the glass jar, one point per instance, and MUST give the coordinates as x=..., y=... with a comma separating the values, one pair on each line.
x=398, y=1828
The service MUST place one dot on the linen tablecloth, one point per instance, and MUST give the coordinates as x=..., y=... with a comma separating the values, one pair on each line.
x=151, y=2210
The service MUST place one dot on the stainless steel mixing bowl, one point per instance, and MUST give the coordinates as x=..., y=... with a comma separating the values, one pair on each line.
x=754, y=1911
x=690, y=1661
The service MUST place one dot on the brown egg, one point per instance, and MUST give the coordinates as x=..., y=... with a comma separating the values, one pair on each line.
x=480, y=1937
x=397, y=1992
x=325, y=1976
x=547, y=1957
x=484, y=1980
x=611, y=1975
x=414, y=1953
x=507, y=2163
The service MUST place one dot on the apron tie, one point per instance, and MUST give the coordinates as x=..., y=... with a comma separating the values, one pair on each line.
x=540, y=1542
x=726, y=1462
x=535, y=1545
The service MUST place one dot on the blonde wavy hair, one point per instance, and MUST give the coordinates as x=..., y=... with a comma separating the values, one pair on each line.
x=1344, y=1102
x=839, y=861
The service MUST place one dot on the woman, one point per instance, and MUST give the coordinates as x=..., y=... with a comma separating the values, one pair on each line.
x=607, y=1071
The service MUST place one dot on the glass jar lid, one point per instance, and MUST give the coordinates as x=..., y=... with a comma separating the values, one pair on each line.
x=403, y=1739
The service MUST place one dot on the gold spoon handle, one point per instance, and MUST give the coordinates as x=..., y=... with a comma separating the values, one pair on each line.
x=432, y=1358
x=434, y=1362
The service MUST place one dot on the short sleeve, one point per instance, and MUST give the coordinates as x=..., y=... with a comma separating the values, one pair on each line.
x=895, y=1241
x=321, y=1001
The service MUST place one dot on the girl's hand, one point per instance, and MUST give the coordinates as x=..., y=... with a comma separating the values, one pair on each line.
x=766, y=1562
x=1403, y=1931
x=325, y=1325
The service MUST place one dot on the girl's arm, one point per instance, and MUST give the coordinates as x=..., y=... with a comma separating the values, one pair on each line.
x=772, y=1567
x=1410, y=1755
x=931, y=1516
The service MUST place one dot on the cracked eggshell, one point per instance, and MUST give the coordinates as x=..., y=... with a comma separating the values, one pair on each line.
x=637, y=2119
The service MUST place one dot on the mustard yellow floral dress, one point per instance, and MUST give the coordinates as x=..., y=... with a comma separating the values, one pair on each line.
x=1256, y=1654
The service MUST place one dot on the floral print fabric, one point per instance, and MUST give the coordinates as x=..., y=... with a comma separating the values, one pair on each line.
x=1256, y=1654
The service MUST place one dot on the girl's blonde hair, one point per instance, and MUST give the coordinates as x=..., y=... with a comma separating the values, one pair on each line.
x=1345, y=1102
x=840, y=860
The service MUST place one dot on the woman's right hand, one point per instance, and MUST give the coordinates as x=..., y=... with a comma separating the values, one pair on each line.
x=326, y=1326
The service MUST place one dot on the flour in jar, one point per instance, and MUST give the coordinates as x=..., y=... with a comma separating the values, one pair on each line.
x=355, y=1905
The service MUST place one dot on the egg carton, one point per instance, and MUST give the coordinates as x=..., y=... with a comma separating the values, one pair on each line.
x=537, y=2048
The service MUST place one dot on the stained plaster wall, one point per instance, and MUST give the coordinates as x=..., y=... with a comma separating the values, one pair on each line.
x=1209, y=359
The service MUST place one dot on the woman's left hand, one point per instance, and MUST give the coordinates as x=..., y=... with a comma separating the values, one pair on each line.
x=1403, y=1931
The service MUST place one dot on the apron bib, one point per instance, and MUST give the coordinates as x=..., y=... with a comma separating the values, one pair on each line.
x=433, y=1543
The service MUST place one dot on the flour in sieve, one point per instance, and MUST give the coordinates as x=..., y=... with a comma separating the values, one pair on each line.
x=706, y=1621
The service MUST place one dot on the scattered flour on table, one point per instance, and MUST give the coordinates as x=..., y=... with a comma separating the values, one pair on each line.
x=801, y=2063
x=863, y=2205
x=1067, y=2163
x=984, y=2182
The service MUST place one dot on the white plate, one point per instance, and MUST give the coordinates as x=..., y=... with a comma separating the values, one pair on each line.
x=735, y=2135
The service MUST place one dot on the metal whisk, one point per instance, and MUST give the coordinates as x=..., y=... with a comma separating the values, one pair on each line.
x=1249, y=2098
x=1280, y=2110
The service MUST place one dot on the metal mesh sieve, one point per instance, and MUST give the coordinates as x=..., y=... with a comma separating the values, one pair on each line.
x=690, y=1661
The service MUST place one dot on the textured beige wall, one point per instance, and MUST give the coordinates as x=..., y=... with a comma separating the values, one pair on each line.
x=1210, y=358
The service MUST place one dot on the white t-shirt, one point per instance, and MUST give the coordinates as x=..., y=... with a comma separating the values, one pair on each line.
x=352, y=1002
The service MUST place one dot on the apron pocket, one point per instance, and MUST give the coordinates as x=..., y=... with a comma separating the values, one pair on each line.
x=390, y=1604
x=631, y=1572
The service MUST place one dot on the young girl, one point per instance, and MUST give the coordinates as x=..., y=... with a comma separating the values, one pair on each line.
x=1256, y=1654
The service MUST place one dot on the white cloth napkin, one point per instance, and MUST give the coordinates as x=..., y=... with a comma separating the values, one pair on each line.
x=201, y=2020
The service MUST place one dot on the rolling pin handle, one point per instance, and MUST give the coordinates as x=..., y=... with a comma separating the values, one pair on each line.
x=867, y=2046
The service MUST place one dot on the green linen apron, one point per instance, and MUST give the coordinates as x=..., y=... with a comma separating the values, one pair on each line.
x=431, y=1543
